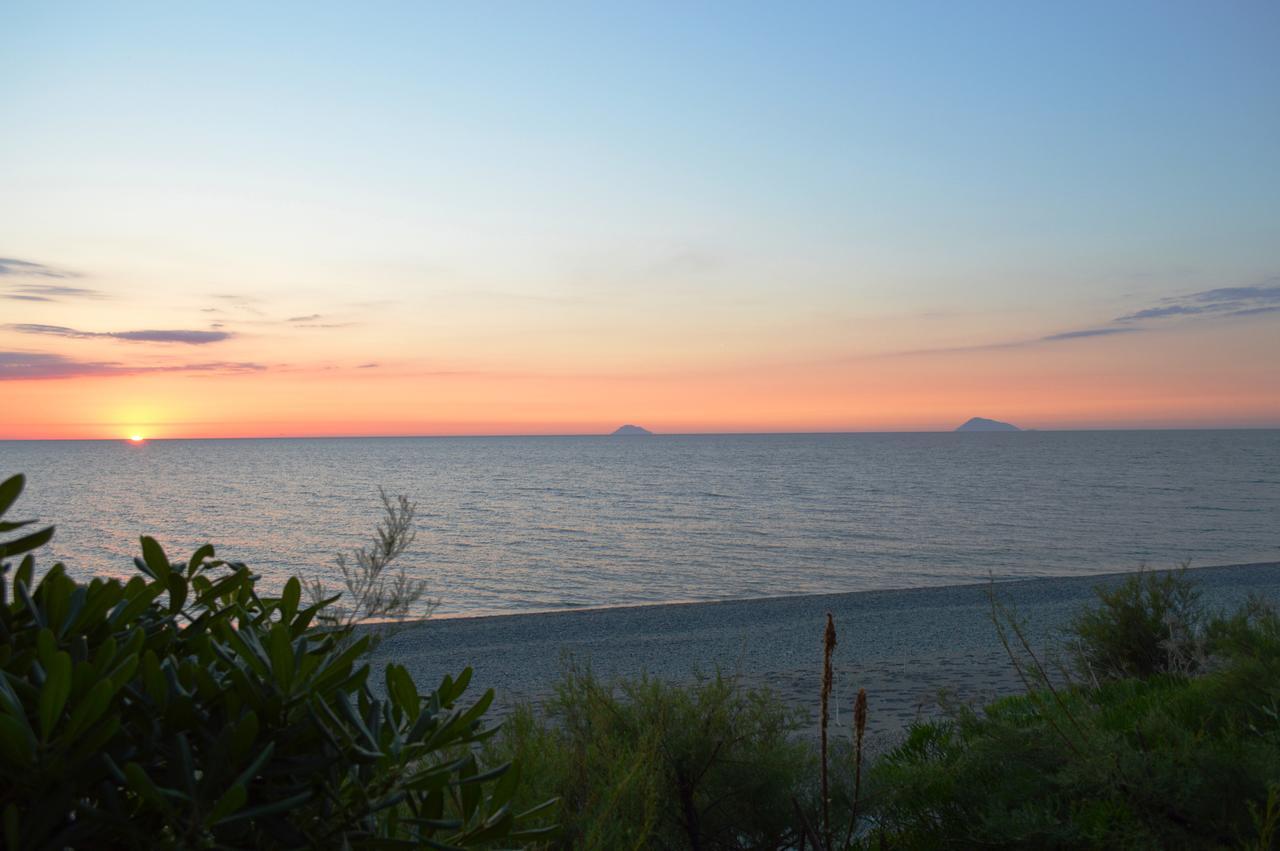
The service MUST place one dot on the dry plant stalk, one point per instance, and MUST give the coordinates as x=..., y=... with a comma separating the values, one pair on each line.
x=828, y=648
x=859, y=728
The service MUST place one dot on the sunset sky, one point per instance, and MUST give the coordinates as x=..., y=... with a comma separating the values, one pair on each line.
x=347, y=219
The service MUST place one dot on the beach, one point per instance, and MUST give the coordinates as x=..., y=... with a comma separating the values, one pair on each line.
x=904, y=647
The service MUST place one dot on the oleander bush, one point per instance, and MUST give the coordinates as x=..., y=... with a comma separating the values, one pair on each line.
x=184, y=709
x=641, y=763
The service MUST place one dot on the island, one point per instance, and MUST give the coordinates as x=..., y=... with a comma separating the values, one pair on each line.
x=632, y=431
x=984, y=424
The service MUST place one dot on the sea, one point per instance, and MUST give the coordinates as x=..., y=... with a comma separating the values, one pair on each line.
x=523, y=524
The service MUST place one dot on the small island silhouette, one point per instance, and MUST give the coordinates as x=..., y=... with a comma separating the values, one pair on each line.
x=984, y=424
x=632, y=430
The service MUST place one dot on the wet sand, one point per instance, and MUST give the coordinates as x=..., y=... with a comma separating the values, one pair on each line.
x=904, y=647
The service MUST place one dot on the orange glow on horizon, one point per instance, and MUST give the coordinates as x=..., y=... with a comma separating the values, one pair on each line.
x=1204, y=377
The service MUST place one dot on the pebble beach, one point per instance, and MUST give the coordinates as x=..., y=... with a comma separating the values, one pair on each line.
x=906, y=648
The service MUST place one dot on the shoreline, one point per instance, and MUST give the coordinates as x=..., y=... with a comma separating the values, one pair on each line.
x=1108, y=575
x=904, y=646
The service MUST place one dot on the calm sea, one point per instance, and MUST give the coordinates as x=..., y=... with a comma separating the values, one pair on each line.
x=539, y=523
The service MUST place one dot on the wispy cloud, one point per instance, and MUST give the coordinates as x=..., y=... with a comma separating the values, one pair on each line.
x=188, y=337
x=15, y=267
x=20, y=366
x=49, y=292
x=309, y=318
x=1086, y=332
x=1219, y=302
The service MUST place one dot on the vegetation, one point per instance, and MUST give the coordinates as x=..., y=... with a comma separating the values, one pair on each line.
x=1150, y=624
x=182, y=709
x=370, y=592
x=645, y=764
x=1176, y=745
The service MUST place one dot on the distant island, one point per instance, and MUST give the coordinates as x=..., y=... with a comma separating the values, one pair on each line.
x=984, y=424
x=632, y=430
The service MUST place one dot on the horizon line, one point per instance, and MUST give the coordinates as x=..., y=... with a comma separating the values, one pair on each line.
x=492, y=435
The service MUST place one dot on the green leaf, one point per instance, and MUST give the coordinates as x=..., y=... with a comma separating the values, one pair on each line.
x=156, y=561
x=403, y=692
x=231, y=800
x=27, y=543
x=10, y=489
x=198, y=558
x=17, y=746
x=89, y=708
x=177, y=592
x=46, y=647
x=280, y=648
x=269, y=809
x=290, y=597
x=12, y=826
x=53, y=696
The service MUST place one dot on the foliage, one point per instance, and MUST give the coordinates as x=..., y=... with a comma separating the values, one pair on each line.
x=646, y=764
x=183, y=709
x=1151, y=623
x=1165, y=761
x=370, y=593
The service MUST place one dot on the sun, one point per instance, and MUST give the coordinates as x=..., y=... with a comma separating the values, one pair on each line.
x=136, y=438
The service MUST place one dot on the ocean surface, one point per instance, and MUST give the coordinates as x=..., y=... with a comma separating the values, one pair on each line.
x=545, y=523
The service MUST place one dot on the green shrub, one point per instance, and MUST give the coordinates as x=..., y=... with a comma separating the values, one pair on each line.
x=1151, y=623
x=647, y=764
x=183, y=709
x=1162, y=761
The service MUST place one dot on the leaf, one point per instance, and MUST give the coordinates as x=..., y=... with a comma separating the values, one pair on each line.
x=290, y=597
x=156, y=560
x=403, y=692
x=27, y=543
x=198, y=558
x=46, y=646
x=280, y=648
x=231, y=800
x=90, y=707
x=17, y=747
x=53, y=696
x=269, y=809
x=177, y=592
x=10, y=489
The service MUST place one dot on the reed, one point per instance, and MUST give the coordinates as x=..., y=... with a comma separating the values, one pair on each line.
x=859, y=728
x=828, y=649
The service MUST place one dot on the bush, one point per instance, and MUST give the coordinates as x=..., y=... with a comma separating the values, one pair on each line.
x=1151, y=623
x=183, y=709
x=646, y=764
x=1164, y=760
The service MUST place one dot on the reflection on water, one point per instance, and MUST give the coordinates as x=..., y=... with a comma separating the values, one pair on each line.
x=512, y=524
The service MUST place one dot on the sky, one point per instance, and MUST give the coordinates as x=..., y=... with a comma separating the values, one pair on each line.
x=238, y=220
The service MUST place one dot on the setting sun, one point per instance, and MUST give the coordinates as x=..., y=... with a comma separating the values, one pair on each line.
x=136, y=438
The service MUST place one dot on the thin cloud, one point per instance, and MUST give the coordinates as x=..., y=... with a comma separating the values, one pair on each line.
x=49, y=292
x=185, y=336
x=31, y=366
x=1087, y=332
x=310, y=318
x=14, y=266
x=1219, y=302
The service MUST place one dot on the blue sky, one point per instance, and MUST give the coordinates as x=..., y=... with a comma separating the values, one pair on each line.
x=781, y=179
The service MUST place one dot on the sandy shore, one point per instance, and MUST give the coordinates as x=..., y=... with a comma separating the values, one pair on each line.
x=904, y=647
